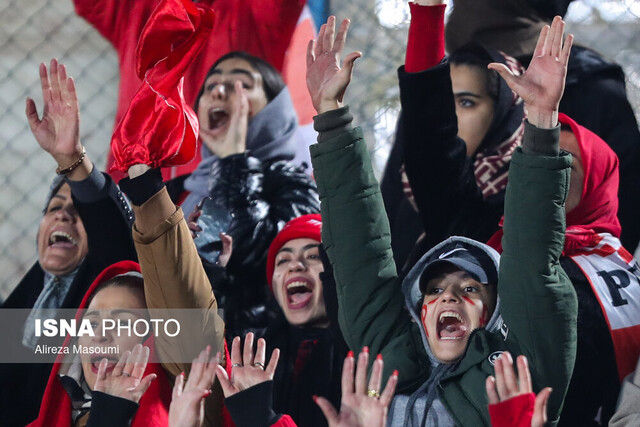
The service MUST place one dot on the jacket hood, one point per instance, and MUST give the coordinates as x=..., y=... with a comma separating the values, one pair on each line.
x=411, y=284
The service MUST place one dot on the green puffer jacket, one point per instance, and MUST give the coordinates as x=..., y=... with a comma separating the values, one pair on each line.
x=537, y=302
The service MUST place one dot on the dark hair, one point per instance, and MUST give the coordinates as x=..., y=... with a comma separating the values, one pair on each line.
x=272, y=82
x=131, y=282
x=474, y=55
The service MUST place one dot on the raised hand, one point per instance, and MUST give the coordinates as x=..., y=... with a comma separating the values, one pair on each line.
x=542, y=85
x=247, y=370
x=227, y=249
x=57, y=130
x=126, y=380
x=327, y=81
x=361, y=406
x=235, y=141
x=506, y=385
x=187, y=401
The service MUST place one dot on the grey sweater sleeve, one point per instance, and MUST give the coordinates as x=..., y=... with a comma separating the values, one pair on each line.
x=540, y=141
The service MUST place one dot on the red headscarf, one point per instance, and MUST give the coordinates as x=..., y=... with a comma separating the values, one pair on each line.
x=55, y=410
x=598, y=208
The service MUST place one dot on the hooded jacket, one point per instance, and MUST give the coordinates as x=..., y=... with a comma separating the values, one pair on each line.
x=538, y=304
x=424, y=406
x=153, y=409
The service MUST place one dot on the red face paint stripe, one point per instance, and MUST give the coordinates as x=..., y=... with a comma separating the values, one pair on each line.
x=469, y=300
x=432, y=302
x=423, y=317
x=483, y=319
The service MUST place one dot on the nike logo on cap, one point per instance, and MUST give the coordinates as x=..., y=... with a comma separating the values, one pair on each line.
x=446, y=254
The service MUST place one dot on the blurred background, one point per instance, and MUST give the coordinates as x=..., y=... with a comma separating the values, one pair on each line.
x=37, y=30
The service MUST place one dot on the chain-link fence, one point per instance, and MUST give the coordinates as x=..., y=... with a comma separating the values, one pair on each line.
x=36, y=30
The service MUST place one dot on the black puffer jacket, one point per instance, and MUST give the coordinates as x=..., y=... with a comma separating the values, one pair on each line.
x=260, y=198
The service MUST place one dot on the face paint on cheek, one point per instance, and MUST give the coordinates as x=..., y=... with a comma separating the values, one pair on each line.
x=485, y=317
x=423, y=317
x=469, y=300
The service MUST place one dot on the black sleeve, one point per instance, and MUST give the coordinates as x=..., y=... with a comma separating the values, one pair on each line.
x=441, y=176
x=108, y=222
x=405, y=223
x=110, y=411
x=253, y=407
x=143, y=187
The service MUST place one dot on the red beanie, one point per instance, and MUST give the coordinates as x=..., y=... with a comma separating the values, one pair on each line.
x=305, y=226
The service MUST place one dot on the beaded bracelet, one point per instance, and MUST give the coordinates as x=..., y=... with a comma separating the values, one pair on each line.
x=64, y=171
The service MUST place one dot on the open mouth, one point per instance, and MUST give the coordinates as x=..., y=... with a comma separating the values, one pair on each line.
x=95, y=362
x=218, y=118
x=451, y=326
x=299, y=293
x=62, y=239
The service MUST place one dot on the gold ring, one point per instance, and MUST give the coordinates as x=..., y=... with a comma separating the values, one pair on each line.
x=373, y=393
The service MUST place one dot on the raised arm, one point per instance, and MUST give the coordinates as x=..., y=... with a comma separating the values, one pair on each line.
x=538, y=302
x=105, y=213
x=437, y=163
x=355, y=230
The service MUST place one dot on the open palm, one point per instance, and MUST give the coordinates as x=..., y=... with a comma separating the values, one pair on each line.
x=327, y=80
x=361, y=406
x=542, y=85
x=57, y=130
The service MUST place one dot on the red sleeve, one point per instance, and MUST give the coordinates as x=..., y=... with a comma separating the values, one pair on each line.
x=284, y=421
x=514, y=412
x=115, y=18
x=425, y=45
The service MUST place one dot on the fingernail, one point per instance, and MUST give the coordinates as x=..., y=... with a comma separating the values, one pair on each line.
x=365, y=349
x=379, y=357
x=315, y=398
x=350, y=353
x=182, y=373
x=395, y=373
x=208, y=393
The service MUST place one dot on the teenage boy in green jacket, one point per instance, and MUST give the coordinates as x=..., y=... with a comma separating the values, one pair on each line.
x=464, y=309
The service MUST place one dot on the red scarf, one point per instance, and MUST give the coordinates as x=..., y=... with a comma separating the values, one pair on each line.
x=592, y=242
x=160, y=129
x=598, y=208
x=55, y=410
